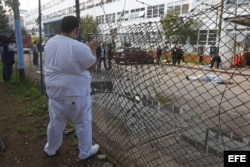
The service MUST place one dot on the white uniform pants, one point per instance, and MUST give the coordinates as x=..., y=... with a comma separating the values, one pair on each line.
x=76, y=109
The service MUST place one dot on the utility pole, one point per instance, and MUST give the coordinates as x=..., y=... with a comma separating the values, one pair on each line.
x=221, y=9
x=40, y=43
x=19, y=42
x=78, y=18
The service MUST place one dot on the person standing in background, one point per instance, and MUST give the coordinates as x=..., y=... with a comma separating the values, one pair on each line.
x=179, y=55
x=158, y=54
x=101, y=56
x=215, y=59
x=8, y=58
x=201, y=54
x=174, y=52
x=34, y=49
x=68, y=63
x=40, y=47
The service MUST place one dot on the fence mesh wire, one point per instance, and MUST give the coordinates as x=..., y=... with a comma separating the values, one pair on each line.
x=176, y=115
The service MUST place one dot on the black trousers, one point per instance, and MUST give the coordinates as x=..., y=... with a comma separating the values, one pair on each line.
x=100, y=60
x=35, y=58
x=7, y=72
x=217, y=60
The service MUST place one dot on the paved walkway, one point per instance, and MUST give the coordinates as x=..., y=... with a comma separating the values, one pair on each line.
x=34, y=71
x=30, y=69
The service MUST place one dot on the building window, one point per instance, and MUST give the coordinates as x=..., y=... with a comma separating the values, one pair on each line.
x=110, y=18
x=212, y=37
x=170, y=9
x=100, y=19
x=135, y=13
x=149, y=12
x=155, y=11
x=108, y=1
x=161, y=9
x=203, y=37
x=69, y=10
x=185, y=8
x=238, y=2
x=178, y=8
x=82, y=6
x=122, y=16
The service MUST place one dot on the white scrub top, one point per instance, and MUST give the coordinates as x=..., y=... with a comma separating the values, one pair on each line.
x=66, y=64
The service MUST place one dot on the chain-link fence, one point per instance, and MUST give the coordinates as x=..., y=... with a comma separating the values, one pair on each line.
x=176, y=114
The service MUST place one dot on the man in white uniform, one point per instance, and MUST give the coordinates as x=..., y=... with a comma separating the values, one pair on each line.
x=67, y=80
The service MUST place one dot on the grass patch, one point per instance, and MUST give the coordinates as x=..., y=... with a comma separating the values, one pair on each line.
x=31, y=103
x=3, y=118
x=41, y=133
x=22, y=129
x=28, y=93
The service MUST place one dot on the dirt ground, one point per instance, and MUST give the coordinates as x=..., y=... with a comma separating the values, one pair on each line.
x=24, y=138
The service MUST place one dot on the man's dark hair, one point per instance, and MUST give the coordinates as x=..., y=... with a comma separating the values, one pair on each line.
x=69, y=23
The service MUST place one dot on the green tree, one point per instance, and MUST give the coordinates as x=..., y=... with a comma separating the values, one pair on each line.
x=24, y=31
x=8, y=3
x=179, y=29
x=3, y=18
x=88, y=26
x=5, y=5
